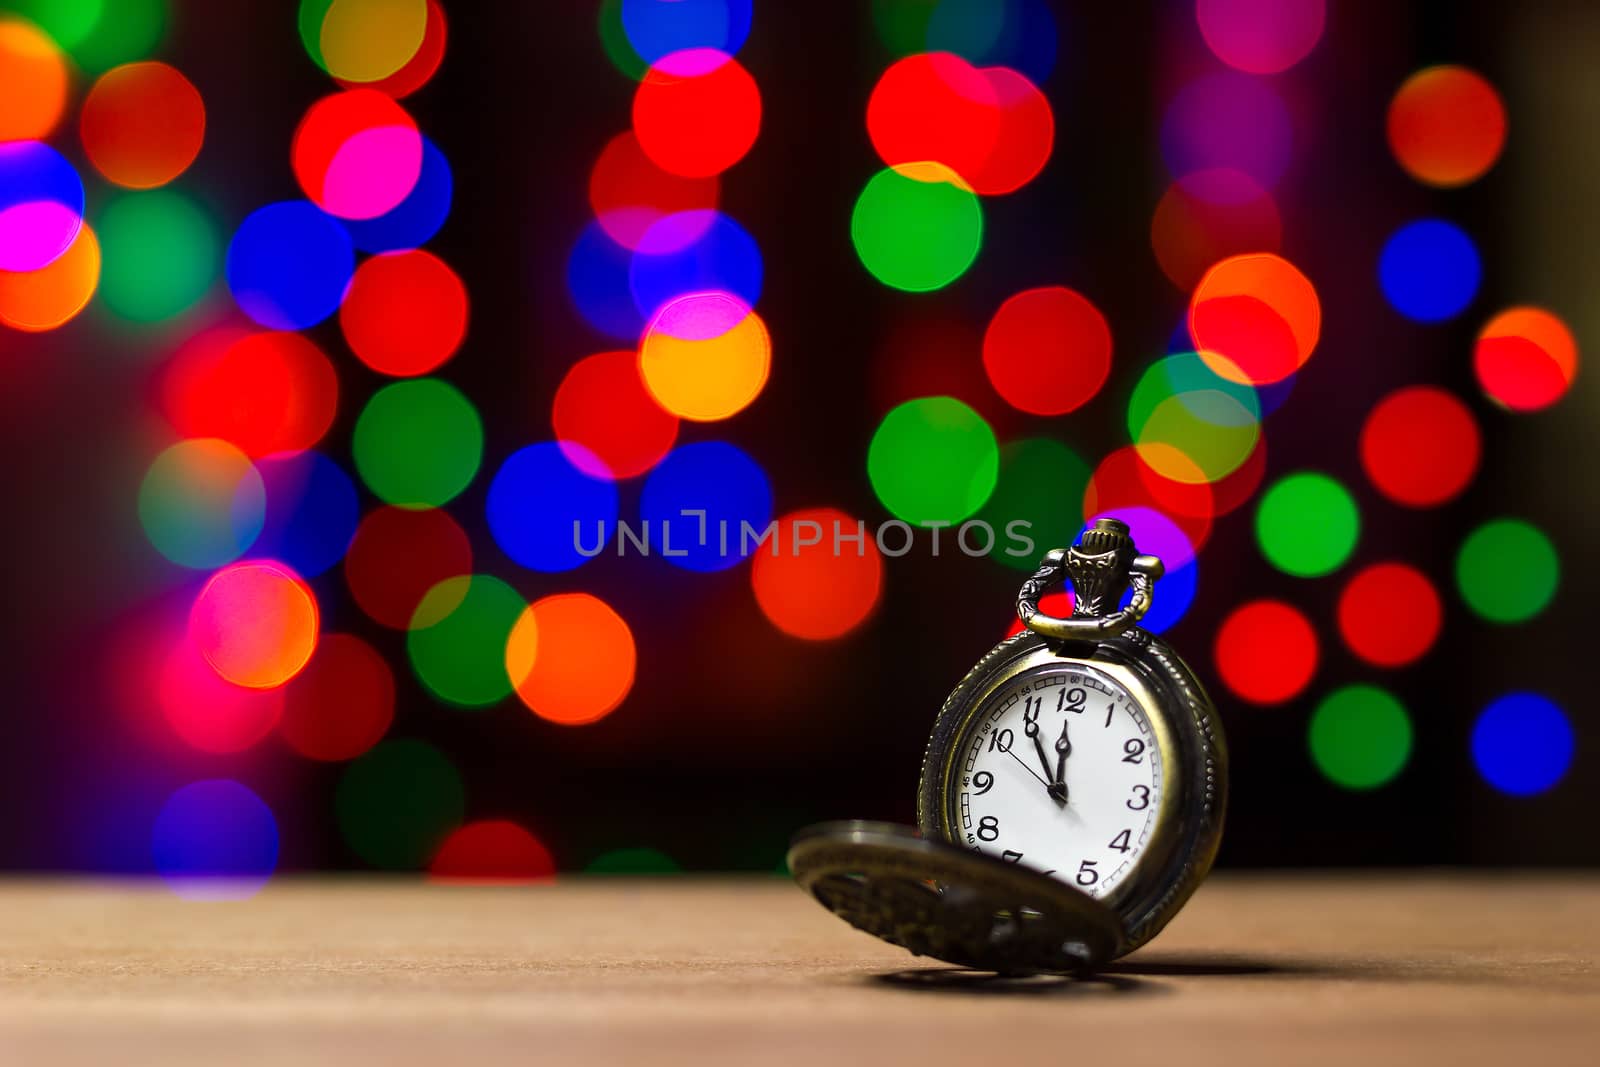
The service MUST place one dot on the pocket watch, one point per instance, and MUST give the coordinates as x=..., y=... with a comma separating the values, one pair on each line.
x=1072, y=794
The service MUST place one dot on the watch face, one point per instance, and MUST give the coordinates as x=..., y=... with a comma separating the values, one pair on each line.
x=1060, y=770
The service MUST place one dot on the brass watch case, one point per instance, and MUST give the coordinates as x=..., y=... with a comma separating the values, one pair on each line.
x=1184, y=722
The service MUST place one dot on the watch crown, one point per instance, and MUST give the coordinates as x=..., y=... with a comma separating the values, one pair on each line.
x=1098, y=567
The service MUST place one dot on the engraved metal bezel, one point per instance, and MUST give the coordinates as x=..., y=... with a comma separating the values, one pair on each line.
x=1188, y=824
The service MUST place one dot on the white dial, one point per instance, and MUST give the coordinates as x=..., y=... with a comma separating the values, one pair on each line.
x=1061, y=772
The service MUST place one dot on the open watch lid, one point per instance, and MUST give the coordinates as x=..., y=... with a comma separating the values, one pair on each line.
x=954, y=904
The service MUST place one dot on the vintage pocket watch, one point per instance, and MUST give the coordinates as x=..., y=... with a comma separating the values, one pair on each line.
x=1072, y=794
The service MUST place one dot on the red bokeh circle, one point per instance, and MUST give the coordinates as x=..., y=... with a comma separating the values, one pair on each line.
x=1420, y=446
x=405, y=313
x=341, y=704
x=1266, y=652
x=492, y=851
x=262, y=392
x=603, y=407
x=696, y=113
x=397, y=555
x=1390, y=614
x=1047, y=351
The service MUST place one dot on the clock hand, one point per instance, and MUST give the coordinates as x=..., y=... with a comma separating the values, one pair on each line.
x=1058, y=788
x=1027, y=768
x=1031, y=728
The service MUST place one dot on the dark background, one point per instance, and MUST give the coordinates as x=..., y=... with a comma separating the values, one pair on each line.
x=735, y=734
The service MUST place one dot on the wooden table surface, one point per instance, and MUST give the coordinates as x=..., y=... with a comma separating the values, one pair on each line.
x=1441, y=967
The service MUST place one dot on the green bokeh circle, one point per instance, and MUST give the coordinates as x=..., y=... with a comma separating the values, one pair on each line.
x=68, y=22
x=1042, y=482
x=398, y=802
x=614, y=41
x=1507, y=571
x=916, y=235
x=633, y=861
x=1360, y=737
x=418, y=443
x=933, y=460
x=1307, y=524
x=457, y=642
x=125, y=30
x=160, y=253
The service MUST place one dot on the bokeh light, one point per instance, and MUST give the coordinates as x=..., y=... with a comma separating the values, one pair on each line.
x=256, y=623
x=492, y=852
x=1266, y=651
x=423, y=64
x=458, y=639
x=916, y=234
x=633, y=862
x=41, y=205
x=1446, y=125
x=289, y=265
x=1525, y=359
x=33, y=81
x=357, y=154
x=368, y=40
x=1429, y=270
x=311, y=511
x=398, y=803
x=811, y=586
x=123, y=30
x=341, y=704
x=934, y=108
x=718, y=479
x=1047, y=351
x=1360, y=737
x=1230, y=121
x=597, y=278
x=1255, y=318
x=630, y=194
x=1420, y=446
x=694, y=252
x=705, y=356
x=263, y=392
x=67, y=22
x=414, y=221
x=614, y=40
x=160, y=254
x=933, y=461
x=1025, y=137
x=54, y=294
x=603, y=412
x=1522, y=744
x=215, y=840
x=405, y=313
x=1390, y=614
x=1261, y=36
x=202, y=503
x=398, y=555
x=142, y=124
x=1209, y=216
x=208, y=712
x=1124, y=480
x=1307, y=524
x=1507, y=571
x=696, y=112
x=571, y=658
x=549, y=513
x=658, y=28
x=1191, y=424
x=1041, y=483
x=418, y=443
